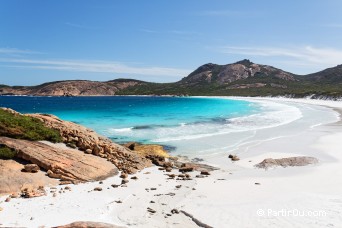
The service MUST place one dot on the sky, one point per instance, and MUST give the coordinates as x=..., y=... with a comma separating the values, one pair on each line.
x=162, y=40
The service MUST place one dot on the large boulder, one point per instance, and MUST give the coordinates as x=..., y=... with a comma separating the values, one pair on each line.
x=285, y=162
x=61, y=162
x=12, y=180
x=31, y=168
x=147, y=149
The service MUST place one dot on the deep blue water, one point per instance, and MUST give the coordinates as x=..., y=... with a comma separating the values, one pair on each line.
x=144, y=119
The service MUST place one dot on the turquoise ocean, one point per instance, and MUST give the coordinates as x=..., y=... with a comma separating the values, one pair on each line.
x=181, y=123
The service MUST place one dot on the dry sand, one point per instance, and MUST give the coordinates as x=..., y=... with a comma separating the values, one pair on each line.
x=237, y=195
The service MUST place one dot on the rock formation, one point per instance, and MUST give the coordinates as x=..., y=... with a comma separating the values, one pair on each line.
x=62, y=163
x=13, y=180
x=285, y=162
x=89, y=225
x=90, y=142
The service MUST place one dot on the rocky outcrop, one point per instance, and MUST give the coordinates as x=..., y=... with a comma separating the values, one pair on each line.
x=226, y=74
x=90, y=142
x=61, y=163
x=147, y=149
x=72, y=88
x=285, y=162
x=13, y=180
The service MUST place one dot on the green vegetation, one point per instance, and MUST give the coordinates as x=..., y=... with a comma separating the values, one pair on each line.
x=25, y=127
x=6, y=153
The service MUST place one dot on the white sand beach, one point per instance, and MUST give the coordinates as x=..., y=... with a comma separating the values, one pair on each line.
x=236, y=195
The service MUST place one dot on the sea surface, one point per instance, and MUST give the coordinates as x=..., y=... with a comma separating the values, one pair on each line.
x=187, y=125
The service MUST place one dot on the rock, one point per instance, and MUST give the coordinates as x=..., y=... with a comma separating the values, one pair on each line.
x=115, y=185
x=124, y=181
x=134, y=178
x=54, y=195
x=118, y=201
x=205, y=172
x=151, y=210
x=88, y=140
x=97, y=150
x=71, y=145
x=65, y=182
x=98, y=189
x=67, y=188
x=31, y=192
x=234, y=157
x=8, y=199
x=174, y=211
x=153, y=189
x=152, y=201
x=172, y=175
x=257, y=183
x=156, y=160
x=285, y=162
x=178, y=186
x=31, y=168
x=168, y=169
x=123, y=176
x=12, y=179
x=14, y=195
x=63, y=163
x=186, y=167
x=147, y=149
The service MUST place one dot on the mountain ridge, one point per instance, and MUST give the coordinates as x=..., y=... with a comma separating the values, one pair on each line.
x=242, y=78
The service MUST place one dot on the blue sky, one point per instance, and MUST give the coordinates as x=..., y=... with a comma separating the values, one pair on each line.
x=162, y=40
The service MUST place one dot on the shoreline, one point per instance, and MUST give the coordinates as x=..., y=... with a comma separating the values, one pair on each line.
x=219, y=200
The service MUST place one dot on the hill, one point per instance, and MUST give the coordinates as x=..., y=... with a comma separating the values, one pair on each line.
x=243, y=78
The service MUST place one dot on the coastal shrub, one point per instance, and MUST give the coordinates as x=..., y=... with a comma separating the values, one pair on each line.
x=25, y=127
x=6, y=153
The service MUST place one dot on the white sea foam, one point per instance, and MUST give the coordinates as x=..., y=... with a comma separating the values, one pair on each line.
x=272, y=115
x=114, y=130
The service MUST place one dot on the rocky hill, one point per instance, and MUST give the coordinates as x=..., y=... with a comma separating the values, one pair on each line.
x=243, y=78
x=226, y=74
x=72, y=88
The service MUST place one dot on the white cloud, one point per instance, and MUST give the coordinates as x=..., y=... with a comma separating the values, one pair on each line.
x=16, y=51
x=307, y=55
x=95, y=66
